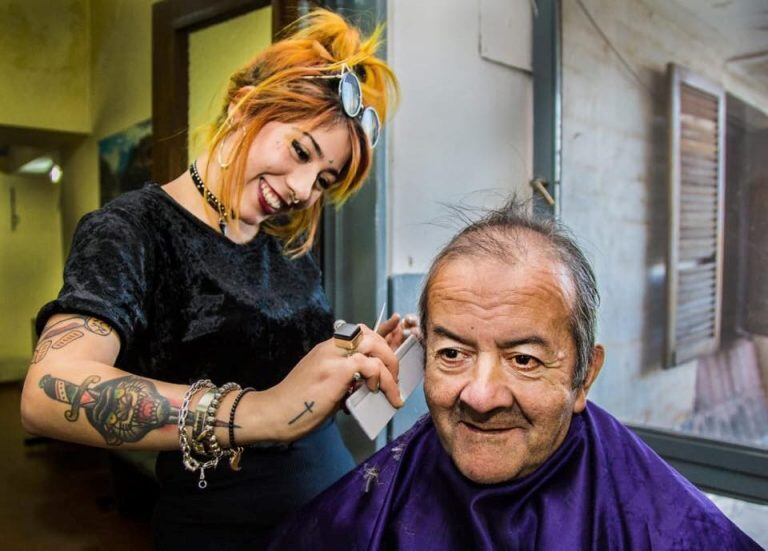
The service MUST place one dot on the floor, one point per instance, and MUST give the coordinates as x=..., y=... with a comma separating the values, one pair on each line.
x=56, y=495
x=59, y=496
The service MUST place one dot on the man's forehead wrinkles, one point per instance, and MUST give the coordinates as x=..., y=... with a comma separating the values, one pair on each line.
x=518, y=300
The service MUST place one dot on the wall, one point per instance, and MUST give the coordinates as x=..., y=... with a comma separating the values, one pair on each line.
x=121, y=77
x=463, y=132
x=615, y=185
x=214, y=54
x=45, y=87
x=44, y=64
x=120, y=68
x=30, y=265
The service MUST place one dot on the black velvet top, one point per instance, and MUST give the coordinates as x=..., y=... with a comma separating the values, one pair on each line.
x=188, y=304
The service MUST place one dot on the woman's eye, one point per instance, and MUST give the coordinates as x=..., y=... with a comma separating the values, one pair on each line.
x=323, y=183
x=301, y=153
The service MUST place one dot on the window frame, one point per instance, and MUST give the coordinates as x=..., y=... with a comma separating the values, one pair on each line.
x=723, y=468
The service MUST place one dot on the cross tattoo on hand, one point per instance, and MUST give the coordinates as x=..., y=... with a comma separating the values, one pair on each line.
x=307, y=408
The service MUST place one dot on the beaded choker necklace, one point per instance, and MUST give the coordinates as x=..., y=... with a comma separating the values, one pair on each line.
x=210, y=198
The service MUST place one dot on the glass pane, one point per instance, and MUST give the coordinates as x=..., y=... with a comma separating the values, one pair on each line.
x=750, y=517
x=616, y=197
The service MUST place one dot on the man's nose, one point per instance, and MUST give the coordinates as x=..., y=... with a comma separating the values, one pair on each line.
x=488, y=388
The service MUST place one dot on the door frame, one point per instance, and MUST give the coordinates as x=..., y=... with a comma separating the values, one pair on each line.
x=172, y=22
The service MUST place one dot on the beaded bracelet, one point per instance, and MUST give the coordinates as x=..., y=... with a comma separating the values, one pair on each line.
x=208, y=413
x=233, y=409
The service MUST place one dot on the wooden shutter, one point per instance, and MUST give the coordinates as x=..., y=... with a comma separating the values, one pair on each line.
x=697, y=164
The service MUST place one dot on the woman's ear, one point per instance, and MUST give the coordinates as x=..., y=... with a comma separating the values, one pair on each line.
x=234, y=111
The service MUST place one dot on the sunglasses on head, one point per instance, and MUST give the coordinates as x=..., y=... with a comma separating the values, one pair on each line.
x=351, y=97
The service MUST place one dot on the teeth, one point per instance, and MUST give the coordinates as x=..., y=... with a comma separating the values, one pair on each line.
x=272, y=199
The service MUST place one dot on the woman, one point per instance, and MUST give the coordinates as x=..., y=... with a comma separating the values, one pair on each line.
x=207, y=278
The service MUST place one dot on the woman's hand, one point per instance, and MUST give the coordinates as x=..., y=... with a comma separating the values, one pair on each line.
x=314, y=389
x=396, y=330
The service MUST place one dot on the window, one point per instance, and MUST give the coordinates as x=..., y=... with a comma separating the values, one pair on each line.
x=695, y=266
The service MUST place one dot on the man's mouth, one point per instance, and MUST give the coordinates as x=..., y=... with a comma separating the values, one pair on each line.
x=270, y=201
x=486, y=429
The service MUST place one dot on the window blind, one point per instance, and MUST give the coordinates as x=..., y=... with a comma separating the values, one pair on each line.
x=697, y=164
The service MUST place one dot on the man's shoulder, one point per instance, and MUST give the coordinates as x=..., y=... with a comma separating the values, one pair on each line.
x=647, y=489
x=626, y=460
x=352, y=507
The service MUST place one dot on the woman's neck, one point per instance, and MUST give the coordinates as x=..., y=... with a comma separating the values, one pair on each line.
x=183, y=190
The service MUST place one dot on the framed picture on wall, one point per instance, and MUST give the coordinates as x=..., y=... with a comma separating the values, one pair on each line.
x=125, y=160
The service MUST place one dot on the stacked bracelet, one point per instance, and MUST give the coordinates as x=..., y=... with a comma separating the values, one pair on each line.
x=237, y=451
x=233, y=409
x=204, y=435
x=203, y=442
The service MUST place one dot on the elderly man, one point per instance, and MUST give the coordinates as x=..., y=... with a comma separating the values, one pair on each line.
x=512, y=455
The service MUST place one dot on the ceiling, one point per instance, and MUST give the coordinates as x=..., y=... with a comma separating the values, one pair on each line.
x=743, y=29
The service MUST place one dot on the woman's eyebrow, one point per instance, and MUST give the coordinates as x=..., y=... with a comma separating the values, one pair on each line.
x=314, y=143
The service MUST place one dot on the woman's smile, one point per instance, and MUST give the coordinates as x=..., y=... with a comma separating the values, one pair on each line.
x=271, y=202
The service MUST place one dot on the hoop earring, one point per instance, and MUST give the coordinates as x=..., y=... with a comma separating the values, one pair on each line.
x=225, y=164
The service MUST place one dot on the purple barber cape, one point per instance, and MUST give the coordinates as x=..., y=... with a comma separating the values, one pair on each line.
x=602, y=489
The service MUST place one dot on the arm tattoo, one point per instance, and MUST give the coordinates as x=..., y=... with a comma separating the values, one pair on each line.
x=307, y=409
x=66, y=331
x=122, y=410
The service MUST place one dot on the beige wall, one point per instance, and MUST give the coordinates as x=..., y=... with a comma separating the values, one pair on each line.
x=121, y=76
x=30, y=265
x=214, y=54
x=84, y=66
x=80, y=66
x=44, y=49
x=120, y=68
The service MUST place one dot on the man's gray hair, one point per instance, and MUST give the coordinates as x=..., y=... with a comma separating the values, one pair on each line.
x=502, y=235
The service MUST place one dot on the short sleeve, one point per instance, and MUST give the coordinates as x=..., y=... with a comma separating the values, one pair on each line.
x=106, y=274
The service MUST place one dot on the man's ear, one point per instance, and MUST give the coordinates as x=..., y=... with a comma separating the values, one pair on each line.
x=598, y=357
x=233, y=112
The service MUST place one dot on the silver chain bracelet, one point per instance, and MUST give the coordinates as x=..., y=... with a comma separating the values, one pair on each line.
x=190, y=463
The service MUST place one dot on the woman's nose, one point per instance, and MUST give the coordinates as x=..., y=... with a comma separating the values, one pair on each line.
x=301, y=185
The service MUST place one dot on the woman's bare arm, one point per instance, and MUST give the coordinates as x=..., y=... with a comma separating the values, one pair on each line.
x=73, y=392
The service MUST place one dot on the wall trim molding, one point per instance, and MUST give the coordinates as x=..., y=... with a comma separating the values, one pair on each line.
x=723, y=468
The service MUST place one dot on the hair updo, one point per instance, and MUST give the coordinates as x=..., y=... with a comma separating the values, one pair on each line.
x=320, y=43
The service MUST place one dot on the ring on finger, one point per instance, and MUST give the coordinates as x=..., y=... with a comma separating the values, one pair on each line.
x=347, y=336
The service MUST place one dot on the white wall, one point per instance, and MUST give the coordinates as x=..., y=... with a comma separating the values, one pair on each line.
x=463, y=132
x=615, y=184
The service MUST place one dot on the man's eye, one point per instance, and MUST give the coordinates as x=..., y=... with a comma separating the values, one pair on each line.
x=524, y=361
x=301, y=153
x=450, y=355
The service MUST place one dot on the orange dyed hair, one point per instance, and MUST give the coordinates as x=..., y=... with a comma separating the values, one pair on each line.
x=320, y=43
